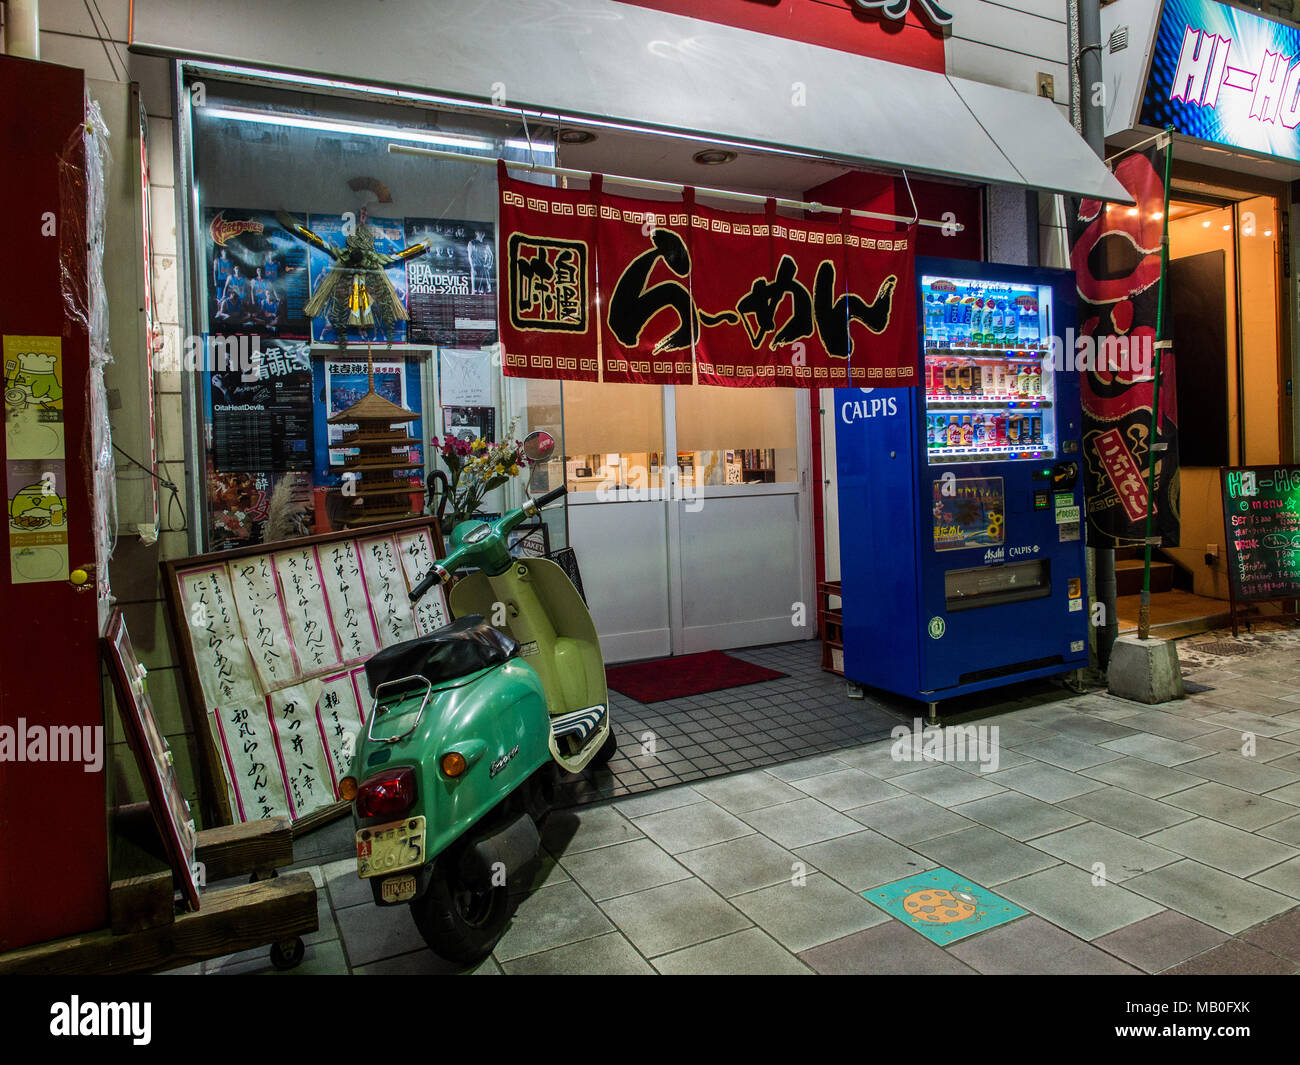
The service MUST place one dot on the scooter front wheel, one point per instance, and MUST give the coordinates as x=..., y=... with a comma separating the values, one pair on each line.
x=460, y=922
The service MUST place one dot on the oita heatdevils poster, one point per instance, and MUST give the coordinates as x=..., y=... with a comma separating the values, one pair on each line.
x=1115, y=252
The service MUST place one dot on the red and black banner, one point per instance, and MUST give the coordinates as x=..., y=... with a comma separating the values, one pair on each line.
x=688, y=293
x=1115, y=252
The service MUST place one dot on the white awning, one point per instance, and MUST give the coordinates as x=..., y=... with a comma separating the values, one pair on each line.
x=601, y=60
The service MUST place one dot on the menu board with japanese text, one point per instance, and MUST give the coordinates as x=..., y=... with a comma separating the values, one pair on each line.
x=275, y=639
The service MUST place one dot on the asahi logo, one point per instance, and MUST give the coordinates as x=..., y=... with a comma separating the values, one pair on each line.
x=221, y=230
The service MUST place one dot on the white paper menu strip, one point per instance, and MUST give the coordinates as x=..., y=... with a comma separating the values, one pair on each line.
x=257, y=599
x=247, y=745
x=309, y=785
x=305, y=603
x=390, y=602
x=345, y=590
x=431, y=611
x=221, y=656
x=340, y=713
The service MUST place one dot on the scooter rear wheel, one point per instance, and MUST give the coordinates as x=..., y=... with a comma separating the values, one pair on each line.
x=458, y=922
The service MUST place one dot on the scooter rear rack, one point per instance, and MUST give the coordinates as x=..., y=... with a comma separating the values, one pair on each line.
x=379, y=708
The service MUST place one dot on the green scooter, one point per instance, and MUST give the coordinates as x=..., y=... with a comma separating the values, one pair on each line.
x=457, y=762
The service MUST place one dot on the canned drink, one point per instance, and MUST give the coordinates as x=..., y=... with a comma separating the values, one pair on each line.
x=951, y=379
x=1036, y=428
x=976, y=379
x=1013, y=430
x=999, y=429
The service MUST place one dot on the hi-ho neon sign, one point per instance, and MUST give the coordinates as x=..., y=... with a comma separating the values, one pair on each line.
x=1235, y=77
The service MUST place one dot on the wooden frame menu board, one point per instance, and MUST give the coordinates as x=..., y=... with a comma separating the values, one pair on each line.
x=171, y=812
x=275, y=638
x=1261, y=523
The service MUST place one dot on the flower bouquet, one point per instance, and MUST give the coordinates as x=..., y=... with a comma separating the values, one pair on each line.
x=475, y=468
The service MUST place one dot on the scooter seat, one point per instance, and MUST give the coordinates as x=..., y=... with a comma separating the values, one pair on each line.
x=456, y=650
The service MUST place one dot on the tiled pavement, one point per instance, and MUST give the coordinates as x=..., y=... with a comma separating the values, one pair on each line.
x=1139, y=840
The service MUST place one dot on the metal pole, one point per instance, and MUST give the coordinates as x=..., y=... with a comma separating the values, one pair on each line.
x=1088, y=70
x=1144, y=609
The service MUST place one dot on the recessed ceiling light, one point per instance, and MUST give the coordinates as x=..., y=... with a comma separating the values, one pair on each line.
x=575, y=136
x=1132, y=211
x=1268, y=232
x=1226, y=228
x=1205, y=225
x=713, y=157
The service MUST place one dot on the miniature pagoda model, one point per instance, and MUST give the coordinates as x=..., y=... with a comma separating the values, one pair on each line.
x=381, y=480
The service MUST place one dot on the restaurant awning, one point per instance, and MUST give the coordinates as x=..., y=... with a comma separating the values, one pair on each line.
x=614, y=62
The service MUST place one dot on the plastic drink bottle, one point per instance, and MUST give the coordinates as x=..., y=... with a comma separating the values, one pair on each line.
x=954, y=431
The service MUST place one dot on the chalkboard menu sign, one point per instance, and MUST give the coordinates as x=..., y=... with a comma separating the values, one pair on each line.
x=1261, y=520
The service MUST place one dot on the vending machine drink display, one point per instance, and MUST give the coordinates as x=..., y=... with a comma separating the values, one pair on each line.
x=961, y=554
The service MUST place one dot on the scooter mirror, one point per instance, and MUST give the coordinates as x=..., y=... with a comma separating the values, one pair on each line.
x=539, y=445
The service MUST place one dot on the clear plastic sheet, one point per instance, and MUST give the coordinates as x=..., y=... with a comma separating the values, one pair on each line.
x=83, y=170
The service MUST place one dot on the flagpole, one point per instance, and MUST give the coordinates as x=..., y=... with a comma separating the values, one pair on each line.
x=1144, y=608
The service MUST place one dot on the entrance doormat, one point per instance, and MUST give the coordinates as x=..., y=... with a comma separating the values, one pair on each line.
x=674, y=678
x=943, y=906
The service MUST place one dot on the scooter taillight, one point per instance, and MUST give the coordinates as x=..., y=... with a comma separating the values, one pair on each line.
x=388, y=793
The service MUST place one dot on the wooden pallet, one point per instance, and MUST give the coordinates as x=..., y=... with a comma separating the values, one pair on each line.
x=145, y=932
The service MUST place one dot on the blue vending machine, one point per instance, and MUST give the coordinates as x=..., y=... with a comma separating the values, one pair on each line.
x=961, y=550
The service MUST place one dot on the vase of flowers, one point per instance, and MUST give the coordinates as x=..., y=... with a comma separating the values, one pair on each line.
x=475, y=468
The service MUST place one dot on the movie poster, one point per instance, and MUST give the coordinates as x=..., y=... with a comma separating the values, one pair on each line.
x=452, y=289
x=255, y=275
x=1116, y=259
x=388, y=241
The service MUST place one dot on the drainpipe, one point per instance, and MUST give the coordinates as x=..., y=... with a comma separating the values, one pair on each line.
x=1093, y=118
x=22, y=29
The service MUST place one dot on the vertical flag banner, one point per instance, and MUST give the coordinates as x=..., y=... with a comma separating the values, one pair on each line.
x=1115, y=254
x=547, y=311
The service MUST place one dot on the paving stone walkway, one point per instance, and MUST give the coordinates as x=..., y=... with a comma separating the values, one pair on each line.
x=1137, y=840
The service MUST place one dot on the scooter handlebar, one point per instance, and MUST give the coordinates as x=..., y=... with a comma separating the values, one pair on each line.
x=435, y=575
x=550, y=497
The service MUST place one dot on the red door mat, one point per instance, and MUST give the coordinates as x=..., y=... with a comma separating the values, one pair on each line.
x=673, y=678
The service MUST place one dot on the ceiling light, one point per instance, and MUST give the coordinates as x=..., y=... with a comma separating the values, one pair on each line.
x=1268, y=232
x=575, y=136
x=1158, y=215
x=713, y=157
x=1205, y=225
x=1226, y=228
x=1132, y=211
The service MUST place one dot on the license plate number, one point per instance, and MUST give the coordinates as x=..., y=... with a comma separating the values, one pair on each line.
x=388, y=848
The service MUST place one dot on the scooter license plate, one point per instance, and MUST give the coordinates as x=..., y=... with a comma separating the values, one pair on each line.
x=388, y=848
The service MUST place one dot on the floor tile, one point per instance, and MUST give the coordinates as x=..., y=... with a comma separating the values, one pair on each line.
x=810, y=913
x=877, y=759
x=604, y=955
x=888, y=949
x=1033, y=947
x=1225, y=902
x=1231, y=741
x=943, y=906
x=1242, y=809
x=373, y=932
x=797, y=824
x=552, y=917
x=1134, y=815
x=863, y=859
x=1045, y=782
x=1157, y=749
x=1222, y=846
x=344, y=886
x=987, y=857
x=1161, y=941
x=744, y=864
x=1071, y=899
x=1143, y=777
x=660, y=799
x=1289, y=794
x=569, y=831
x=1287, y=831
x=1280, y=936
x=1085, y=728
x=806, y=767
x=689, y=827
x=748, y=953
x=748, y=791
x=1260, y=724
x=674, y=916
x=1244, y=773
x=947, y=785
x=1233, y=958
x=1283, y=877
x=847, y=789
x=1017, y=816
x=424, y=963
x=909, y=819
x=623, y=868
x=1103, y=851
x=1065, y=753
x=1170, y=724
